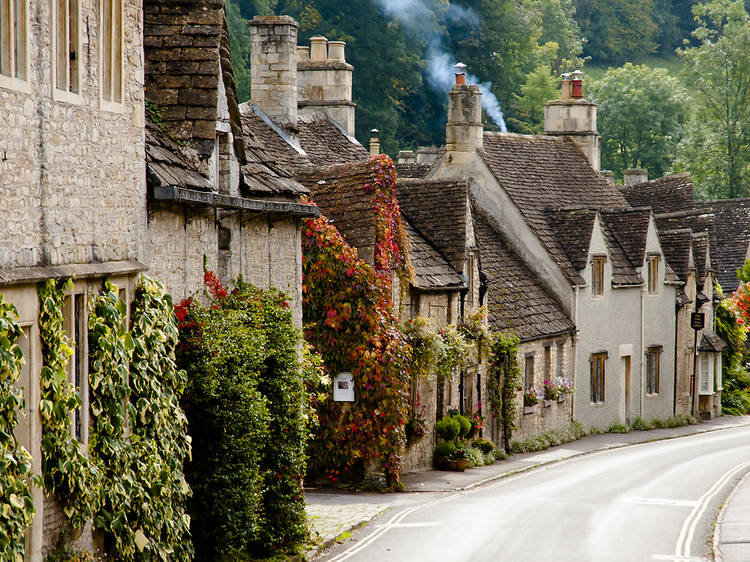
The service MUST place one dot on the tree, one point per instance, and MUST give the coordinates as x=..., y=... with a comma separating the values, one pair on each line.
x=641, y=114
x=717, y=152
x=540, y=87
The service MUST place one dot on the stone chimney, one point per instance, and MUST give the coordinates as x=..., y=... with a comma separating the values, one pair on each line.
x=273, y=68
x=325, y=82
x=374, y=142
x=406, y=157
x=608, y=175
x=427, y=154
x=464, y=129
x=573, y=117
x=633, y=176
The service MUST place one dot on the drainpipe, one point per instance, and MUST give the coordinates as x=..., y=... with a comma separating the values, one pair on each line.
x=643, y=337
x=574, y=350
x=461, y=373
x=676, y=324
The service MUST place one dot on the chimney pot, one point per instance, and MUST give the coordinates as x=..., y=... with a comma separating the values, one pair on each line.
x=460, y=70
x=576, y=84
x=565, y=88
x=633, y=176
x=318, y=49
x=336, y=50
x=406, y=157
x=303, y=54
x=374, y=142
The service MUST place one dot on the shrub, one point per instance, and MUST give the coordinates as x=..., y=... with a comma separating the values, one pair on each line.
x=465, y=424
x=681, y=420
x=244, y=402
x=639, y=424
x=498, y=454
x=448, y=429
x=617, y=428
x=488, y=459
x=475, y=456
x=483, y=445
x=658, y=423
x=595, y=431
x=444, y=449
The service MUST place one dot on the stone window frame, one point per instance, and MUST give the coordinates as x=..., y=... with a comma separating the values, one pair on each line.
x=598, y=378
x=652, y=264
x=548, y=361
x=653, y=369
x=67, y=19
x=597, y=276
x=18, y=36
x=115, y=54
x=560, y=357
x=528, y=369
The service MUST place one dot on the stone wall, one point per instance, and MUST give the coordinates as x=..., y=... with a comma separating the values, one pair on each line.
x=73, y=187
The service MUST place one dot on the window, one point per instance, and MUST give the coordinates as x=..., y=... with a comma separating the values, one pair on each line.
x=705, y=375
x=560, y=359
x=548, y=362
x=597, y=376
x=75, y=327
x=67, y=45
x=597, y=276
x=13, y=38
x=653, y=360
x=653, y=275
x=110, y=51
x=718, y=382
x=529, y=370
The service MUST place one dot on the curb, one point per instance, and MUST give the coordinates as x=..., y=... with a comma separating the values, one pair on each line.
x=502, y=475
x=718, y=556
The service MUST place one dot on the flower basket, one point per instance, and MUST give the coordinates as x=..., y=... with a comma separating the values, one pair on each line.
x=561, y=398
x=455, y=465
x=547, y=403
x=529, y=409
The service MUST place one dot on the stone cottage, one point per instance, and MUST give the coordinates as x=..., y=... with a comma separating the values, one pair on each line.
x=73, y=195
x=596, y=256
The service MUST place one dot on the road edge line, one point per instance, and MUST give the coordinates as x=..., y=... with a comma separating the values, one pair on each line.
x=718, y=556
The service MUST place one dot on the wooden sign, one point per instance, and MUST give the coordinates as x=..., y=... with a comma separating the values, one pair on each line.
x=697, y=320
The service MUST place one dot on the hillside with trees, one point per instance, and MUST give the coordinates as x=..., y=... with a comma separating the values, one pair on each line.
x=692, y=116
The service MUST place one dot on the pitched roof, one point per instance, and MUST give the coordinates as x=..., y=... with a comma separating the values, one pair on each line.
x=630, y=227
x=573, y=227
x=168, y=164
x=182, y=66
x=623, y=271
x=320, y=142
x=438, y=208
x=516, y=299
x=711, y=342
x=699, y=220
x=732, y=238
x=664, y=195
x=540, y=172
x=339, y=191
x=413, y=169
x=431, y=269
x=676, y=245
x=700, y=248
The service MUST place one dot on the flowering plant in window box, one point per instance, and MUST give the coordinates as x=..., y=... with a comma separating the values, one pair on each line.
x=551, y=390
x=565, y=386
x=532, y=395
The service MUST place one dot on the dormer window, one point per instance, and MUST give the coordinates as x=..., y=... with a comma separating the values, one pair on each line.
x=597, y=276
x=653, y=275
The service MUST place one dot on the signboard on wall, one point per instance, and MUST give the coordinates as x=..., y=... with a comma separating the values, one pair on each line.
x=343, y=388
x=697, y=320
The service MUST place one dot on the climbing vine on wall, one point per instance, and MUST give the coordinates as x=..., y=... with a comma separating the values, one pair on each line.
x=68, y=474
x=15, y=462
x=390, y=238
x=504, y=382
x=158, y=424
x=349, y=320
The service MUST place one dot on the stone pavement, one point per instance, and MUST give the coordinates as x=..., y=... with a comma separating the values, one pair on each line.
x=336, y=512
x=732, y=537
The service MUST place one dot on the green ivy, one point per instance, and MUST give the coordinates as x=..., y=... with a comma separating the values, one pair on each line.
x=159, y=426
x=68, y=474
x=16, y=506
x=504, y=382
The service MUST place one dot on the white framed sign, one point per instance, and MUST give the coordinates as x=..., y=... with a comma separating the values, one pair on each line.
x=343, y=388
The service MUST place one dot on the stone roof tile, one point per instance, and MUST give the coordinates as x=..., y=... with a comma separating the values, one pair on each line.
x=431, y=268
x=664, y=195
x=732, y=239
x=168, y=164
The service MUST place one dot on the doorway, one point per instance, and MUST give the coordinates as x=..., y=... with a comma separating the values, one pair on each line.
x=626, y=370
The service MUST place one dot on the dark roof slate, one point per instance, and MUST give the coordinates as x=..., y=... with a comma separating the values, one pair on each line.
x=676, y=245
x=699, y=220
x=438, y=208
x=516, y=299
x=630, y=227
x=431, y=269
x=540, y=172
x=413, y=170
x=711, y=342
x=182, y=66
x=326, y=143
x=339, y=191
x=732, y=239
x=664, y=195
x=573, y=228
x=168, y=164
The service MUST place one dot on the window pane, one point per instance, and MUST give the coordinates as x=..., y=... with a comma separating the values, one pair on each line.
x=117, y=51
x=61, y=46
x=5, y=36
x=78, y=354
x=73, y=46
x=106, y=49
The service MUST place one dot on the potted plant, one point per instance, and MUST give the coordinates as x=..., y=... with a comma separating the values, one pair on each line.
x=450, y=454
x=565, y=385
x=531, y=397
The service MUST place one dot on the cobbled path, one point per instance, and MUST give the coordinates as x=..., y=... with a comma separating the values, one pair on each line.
x=328, y=521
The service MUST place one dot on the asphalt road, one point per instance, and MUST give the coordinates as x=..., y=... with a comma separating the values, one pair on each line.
x=654, y=501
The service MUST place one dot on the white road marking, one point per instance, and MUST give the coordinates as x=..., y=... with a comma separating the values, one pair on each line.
x=662, y=501
x=682, y=547
x=678, y=558
x=411, y=525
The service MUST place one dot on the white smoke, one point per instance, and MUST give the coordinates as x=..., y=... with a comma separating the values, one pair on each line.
x=415, y=15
